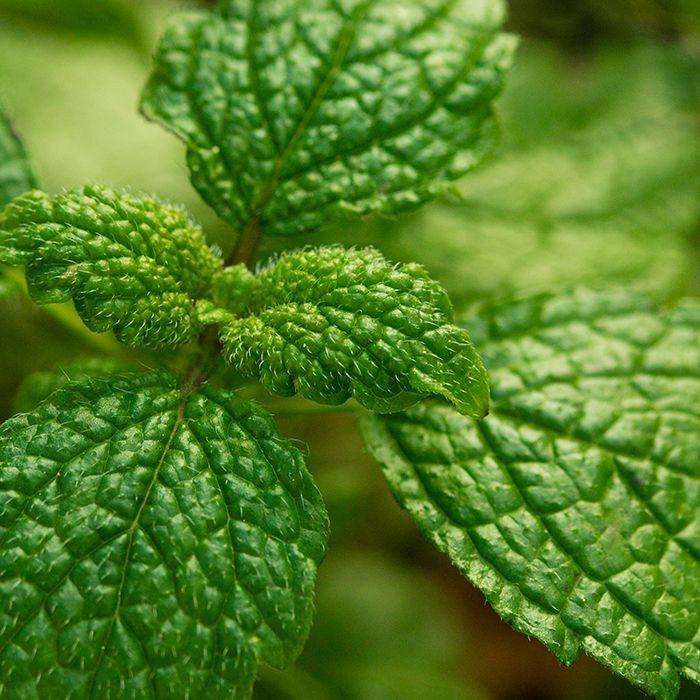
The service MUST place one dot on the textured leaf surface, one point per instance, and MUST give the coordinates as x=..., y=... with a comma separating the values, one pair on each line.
x=575, y=506
x=130, y=264
x=16, y=174
x=294, y=111
x=153, y=546
x=331, y=324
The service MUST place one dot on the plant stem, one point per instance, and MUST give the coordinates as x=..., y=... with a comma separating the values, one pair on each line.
x=210, y=346
x=246, y=245
x=201, y=370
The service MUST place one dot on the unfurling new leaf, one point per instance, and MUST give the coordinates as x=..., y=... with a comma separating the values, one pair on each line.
x=154, y=544
x=297, y=110
x=575, y=506
x=131, y=264
x=331, y=324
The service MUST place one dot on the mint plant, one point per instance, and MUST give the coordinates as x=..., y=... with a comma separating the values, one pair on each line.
x=160, y=538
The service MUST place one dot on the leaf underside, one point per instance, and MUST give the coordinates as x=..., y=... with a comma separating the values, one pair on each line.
x=16, y=174
x=153, y=545
x=331, y=324
x=294, y=111
x=575, y=506
x=130, y=264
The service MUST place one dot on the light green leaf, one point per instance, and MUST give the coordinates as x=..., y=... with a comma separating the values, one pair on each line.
x=331, y=323
x=575, y=506
x=295, y=111
x=16, y=174
x=154, y=544
x=130, y=264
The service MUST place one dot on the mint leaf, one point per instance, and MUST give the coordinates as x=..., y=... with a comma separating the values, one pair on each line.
x=130, y=264
x=154, y=545
x=295, y=111
x=331, y=324
x=575, y=507
x=16, y=174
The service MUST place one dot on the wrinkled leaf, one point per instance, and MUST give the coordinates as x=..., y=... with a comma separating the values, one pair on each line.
x=130, y=264
x=331, y=323
x=575, y=506
x=296, y=111
x=154, y=544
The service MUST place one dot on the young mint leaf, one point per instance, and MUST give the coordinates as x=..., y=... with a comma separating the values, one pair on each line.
x=154, y=544
x=575, y=507
x=293, y=111
x=330, y=324
x=130, y=264
x=16, y=174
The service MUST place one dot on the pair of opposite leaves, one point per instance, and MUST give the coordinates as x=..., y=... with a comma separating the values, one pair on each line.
x=328, y=323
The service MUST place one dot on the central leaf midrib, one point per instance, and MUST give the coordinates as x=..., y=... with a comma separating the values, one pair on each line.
x=401, y=127
x=343, y=43
x=131, y=534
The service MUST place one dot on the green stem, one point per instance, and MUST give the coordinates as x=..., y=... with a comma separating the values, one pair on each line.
x=246, y=245
x=201, y=370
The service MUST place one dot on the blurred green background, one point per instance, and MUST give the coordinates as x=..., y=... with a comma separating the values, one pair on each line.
x=596, y=181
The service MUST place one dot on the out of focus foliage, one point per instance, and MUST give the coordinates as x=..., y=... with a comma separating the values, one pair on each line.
x=596, y=181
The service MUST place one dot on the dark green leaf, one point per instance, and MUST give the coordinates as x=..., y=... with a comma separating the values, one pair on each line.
x=575, y=506
x=154, y=545
x=129, y=263
x=293, y=111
